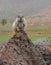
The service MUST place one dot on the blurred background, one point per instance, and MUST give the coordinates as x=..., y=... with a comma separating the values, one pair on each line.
x=36, y=12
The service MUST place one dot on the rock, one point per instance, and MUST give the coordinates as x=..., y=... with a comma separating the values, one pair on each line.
x=19, y=50
x=45, y=53
x=42, y=41
x=1, y=62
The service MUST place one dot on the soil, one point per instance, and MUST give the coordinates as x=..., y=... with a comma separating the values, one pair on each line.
x=19, y=50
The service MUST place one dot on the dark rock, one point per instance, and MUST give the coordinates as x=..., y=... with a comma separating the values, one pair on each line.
x=1, y=62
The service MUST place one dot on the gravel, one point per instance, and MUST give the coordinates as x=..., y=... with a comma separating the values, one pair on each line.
x=19, y=50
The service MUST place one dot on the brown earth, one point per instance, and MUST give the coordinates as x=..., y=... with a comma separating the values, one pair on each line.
x=48, y=47
x=49, y=32
x=19, y=50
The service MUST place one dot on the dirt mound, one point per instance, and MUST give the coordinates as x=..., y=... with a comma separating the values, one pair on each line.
x=19, y=50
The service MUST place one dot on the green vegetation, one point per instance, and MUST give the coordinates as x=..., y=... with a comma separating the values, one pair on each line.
x=4, y=37
x=38, y=36
x=37, y=29
x=4, y=22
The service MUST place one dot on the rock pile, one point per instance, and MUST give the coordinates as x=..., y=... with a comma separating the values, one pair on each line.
x=45, y=53
x=42, y=41
x=19, y=50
